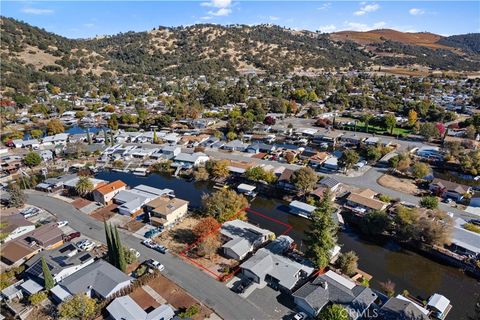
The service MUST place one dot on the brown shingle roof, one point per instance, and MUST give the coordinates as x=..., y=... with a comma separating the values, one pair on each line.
x=166, y=205
x=15, y=250
x=14, y=221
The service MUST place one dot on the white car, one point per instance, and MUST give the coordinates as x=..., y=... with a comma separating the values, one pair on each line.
x=300, y=316
x=135, y=252
x=85, y=245
x=62, y=223
x=149, y=243
x=154, y=264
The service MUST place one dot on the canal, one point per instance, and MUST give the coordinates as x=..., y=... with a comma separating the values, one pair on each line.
x=384, y=261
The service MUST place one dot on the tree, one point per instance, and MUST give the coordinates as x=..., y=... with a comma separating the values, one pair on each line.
x=84, y=186
x=49, y=283
x=32, y=159
x=405, y=222
x=435, y=228
x=36, y=133
x=348, y=263
x=205, y=226
x=304, y=179
x=375, y=222
x=429, y=202
x=470, y=132
x=209, y=246
x=390, y=122
x=428, y=131
x=231, y=136
x=190, y=312
x=259, y=174
x=130, y=256
x=37, y=298
x=366, y=118
x=223, y=204
x=412, y=117
x=269, y=121
x=113, y=122
x=17, y=196
x=55, y=126
x=334, y=312
x=201, y=174
x=440, y=127
x=219, y=169
x=121, y=262
x=388, y=287
x=80, y=306
x=373, y=153
x=420, y=170
x=348, y=159
x=321, y=236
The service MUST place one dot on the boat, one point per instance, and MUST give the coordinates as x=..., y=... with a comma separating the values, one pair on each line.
x=247, y=190
x=140, y=171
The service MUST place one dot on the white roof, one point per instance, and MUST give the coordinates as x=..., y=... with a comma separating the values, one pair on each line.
x=438, y=302
x=340, y=279
x=419, y=307
x=245, y=187
x=302, y=206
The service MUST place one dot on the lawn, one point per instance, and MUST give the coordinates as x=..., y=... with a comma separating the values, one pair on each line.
x=376, y=129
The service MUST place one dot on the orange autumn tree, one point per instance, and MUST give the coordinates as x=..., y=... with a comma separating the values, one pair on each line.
x=205, y=226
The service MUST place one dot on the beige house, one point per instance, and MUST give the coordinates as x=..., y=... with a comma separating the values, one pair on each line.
x=364, y=201
x=105, y=193
x=165, y=211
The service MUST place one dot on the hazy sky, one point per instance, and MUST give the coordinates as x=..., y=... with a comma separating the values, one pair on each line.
x=78, y=19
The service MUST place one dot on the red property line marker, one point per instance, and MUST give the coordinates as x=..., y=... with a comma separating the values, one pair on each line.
x=220, y=277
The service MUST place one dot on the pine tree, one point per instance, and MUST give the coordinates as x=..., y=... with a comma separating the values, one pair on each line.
x=47, y=275
x=108, y=236
x=321, y=238
x=120, y=254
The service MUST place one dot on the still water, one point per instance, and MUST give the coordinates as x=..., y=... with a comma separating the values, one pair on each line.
x=384, y=261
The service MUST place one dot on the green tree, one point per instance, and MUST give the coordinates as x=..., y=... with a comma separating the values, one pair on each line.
x=304, y=179
x=231, y=136
x=84, y=186
x=36, y=133
x=348, y=159
x=17, y=196
x=32, y=159
x=420, y=170
x=37, y=298
x=333, y=312
x=113, y=122
x=375, y=222
x=55, y=126
x=366, y=118
x=321, y=236
x=259, y=174
x=47, y=275
x=122, y=263
x=112, y=256
x=348, y=263
x=390, y=122
x=223, y=204
x=80, y=307
x=428, y=131
x=373, y=153
x=429, y=202
x=201, y=174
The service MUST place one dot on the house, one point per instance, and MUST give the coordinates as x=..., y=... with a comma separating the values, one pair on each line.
x=14, y=226
x=271, y=266
x=246, y=189
x=98, y=280
x=60, y=138
x=333, y=288
x=14, y=252
x=62, y=262
x=284, y=181
x=352, y=139
x=329, y=137
x=235, y=145
x=46, y=155
x=301, y=208
x=125, y=308
x=363, y=201
x=105, y=193
x=55, y=184
x=449, y=189
x=430, y=152
x=330, y=183
x=190, y=160
x=171, y=151
x=71, y=185
x=260, y=147
x=439, y=306
x=242, y=238
x=131, y=201
x=376, y=141
x=330, y=164
x=166, y=211
x=400, y=307
x=463, y=241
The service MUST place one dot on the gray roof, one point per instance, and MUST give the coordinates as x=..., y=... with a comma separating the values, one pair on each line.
x=329, y=182
x=60, y=180
x=99, y=276
x=466, y=239
x=302, y=206
x=238, y=228
x=401, y=309
x=334, y=288
x=58, y=259
x=125, y=308
x=240, y=246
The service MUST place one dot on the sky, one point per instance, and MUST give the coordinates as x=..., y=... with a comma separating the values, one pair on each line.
x=84, y=19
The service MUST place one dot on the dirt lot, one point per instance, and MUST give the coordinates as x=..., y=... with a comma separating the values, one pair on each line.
x=80, y=203
x=143, y=299
x=104, y=213
x=399, y=184
x=177, y=297
x=180, y=236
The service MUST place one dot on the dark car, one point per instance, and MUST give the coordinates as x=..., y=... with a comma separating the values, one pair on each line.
x=161, y=249
x=242, y=286
x=71, y=236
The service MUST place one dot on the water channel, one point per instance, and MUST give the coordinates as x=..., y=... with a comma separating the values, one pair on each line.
x=384, y=261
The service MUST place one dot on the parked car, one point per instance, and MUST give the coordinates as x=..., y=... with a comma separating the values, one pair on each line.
x=242, y=286
x=30, y=212
x=62, y=223
x=152, y=232
x=300, y=316
x=135, y=252
x=86, y=245
x=154, y=264
x=161, y=249
x=149, y=243
x=71, y=236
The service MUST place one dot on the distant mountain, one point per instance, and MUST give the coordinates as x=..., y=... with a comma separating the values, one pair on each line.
x=206, y=49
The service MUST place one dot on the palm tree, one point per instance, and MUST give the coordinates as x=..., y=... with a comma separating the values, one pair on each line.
x=84, y=186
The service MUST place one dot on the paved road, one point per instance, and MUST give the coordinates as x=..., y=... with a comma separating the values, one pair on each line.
x=367, y=180
x=203, y=287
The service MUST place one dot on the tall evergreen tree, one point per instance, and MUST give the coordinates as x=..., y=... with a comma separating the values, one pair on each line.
x=108, y=236
x=120, y=254
x=321, y=237
x=47, y=275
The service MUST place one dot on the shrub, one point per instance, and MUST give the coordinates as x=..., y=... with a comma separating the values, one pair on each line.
x=37, y=298
x=190, y=311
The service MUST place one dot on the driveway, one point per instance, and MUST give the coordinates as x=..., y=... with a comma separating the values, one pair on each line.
x=210, y=292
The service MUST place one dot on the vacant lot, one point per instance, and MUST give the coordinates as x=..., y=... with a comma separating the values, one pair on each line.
x=180, y=236
x=399, y=184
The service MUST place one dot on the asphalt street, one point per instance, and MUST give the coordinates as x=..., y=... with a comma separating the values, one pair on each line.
x=212, y=293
